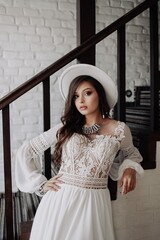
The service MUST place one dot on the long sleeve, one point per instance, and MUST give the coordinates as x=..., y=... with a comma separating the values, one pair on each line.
x=28, y=169
x=128, y=157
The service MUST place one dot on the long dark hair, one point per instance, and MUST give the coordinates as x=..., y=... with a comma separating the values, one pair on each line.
x=72, y=119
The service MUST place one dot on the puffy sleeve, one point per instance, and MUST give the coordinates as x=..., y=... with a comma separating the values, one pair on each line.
x=128, y=157
x=28, y=169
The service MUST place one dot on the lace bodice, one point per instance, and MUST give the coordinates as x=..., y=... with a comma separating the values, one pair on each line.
x=89, y=158
x=81, y=157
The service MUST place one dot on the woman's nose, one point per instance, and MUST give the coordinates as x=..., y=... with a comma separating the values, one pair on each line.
x=81, y=99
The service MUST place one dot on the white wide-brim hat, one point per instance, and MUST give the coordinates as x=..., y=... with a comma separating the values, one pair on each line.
x=85, y=69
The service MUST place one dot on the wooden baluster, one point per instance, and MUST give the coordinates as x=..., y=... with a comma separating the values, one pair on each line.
x=154, y=51
x=46, y=121
x=86, y=28
x=7, y=173
x=121, y=74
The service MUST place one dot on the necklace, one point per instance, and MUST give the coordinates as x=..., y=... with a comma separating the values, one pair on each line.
x=91, y=130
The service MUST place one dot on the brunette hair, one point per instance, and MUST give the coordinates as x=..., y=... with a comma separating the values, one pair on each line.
x=72, y=119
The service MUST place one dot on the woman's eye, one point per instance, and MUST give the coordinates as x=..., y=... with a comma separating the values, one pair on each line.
x=75, y=97
x=88, y=93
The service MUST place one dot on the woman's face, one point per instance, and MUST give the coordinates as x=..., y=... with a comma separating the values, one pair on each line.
x=86, y=99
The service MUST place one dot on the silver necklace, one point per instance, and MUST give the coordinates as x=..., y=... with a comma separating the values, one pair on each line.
x=91, y=130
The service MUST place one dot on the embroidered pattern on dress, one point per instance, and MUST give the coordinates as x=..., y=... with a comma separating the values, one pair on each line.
x=91, y=158
x=84, y=182
x=38, y=145
x=119, y=131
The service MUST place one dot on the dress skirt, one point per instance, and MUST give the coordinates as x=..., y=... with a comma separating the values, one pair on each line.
x=74, y=213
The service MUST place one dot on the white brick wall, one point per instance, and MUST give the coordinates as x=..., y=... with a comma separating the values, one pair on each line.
x=136, y=215
x=36, y=33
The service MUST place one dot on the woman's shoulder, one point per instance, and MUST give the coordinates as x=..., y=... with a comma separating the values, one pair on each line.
x=120, y=128
x=112, y=126
x=112, y=122
x=109, y=125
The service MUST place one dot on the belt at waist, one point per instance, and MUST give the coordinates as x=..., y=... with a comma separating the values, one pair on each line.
x=84, y=182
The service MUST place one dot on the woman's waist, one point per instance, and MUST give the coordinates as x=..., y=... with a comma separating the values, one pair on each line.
x=84, y=181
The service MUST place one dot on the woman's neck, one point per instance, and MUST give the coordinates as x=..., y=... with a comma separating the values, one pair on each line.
x=90, y=120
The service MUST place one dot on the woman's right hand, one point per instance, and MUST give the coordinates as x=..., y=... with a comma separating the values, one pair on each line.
x=53, y=183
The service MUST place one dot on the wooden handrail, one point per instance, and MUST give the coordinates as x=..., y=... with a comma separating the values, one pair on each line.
x=41, y=76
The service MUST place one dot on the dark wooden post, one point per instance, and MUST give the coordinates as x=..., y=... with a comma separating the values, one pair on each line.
x=46, y=121
x=7, y=173
x=154, y=81
x=121, y=74
x=86, y=28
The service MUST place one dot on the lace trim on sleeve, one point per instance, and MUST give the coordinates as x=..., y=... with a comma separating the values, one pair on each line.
x=38, y=145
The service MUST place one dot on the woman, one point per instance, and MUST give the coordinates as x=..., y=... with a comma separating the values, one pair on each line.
x=76, y=202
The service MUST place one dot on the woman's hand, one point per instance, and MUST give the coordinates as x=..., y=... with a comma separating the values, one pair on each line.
x=128, y=180
x=53, y=183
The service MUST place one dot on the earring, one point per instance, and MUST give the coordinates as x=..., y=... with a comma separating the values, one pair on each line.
x=111, y=113
x=104, y=114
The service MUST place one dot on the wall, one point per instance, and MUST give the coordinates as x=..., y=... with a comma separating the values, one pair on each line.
x=36, y=33
x=137, y=215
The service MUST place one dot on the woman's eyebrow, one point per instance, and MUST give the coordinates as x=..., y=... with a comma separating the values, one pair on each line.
x=85, y=89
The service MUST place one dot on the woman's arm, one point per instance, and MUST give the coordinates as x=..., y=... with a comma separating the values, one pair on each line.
x=131, y=155
x=127, y=163
x=131, y=164
x=28, y=170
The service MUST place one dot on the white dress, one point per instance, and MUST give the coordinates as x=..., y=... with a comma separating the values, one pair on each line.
x=81, y=209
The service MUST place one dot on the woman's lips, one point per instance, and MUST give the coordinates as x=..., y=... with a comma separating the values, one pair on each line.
x=83, y=108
